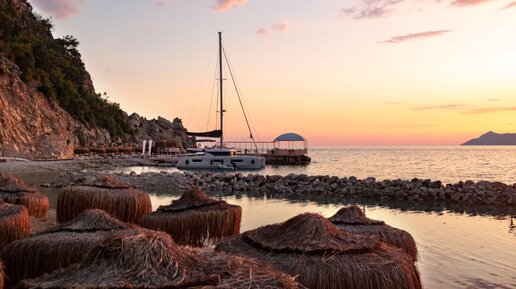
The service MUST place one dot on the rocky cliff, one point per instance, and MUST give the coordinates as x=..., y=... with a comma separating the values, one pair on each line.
x=31, y=126
x=48, y=104
x=160, y=129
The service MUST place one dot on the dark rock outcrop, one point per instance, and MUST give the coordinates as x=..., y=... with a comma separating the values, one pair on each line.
x=159, y=129
x=493, y=139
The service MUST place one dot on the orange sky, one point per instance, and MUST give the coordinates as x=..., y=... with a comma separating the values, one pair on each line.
x=376, y=72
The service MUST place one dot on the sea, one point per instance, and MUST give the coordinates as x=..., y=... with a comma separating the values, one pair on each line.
x=459, y=247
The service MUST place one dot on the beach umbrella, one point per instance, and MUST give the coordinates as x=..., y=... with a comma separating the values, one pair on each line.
x=324, y=257
x=196, y=220
x=152, y=260
x=353, y=220
x=2, y=277
x=13, y=190
x=60, y=246
x=14, y=223
x=106, y=193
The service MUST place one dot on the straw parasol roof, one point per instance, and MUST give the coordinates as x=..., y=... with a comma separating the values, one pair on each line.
x=1, y=275
x=14, y=223
x=311, y=247
x=106, y=193
x=195, y=219
x=152, y=260
x=13, y=190
x=60, y=246
x=353, y=220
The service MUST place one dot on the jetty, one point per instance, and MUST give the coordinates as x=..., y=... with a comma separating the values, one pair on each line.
x=286, y=149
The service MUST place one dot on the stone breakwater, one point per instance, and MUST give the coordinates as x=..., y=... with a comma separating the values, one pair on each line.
x=300, y=185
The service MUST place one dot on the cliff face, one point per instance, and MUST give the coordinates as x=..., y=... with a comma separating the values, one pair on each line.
x=160, y=129
x=48, y=103
x=31, y=127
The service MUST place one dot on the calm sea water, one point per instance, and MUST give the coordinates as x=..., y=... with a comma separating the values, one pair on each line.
x=476, y=249
x=447, y=163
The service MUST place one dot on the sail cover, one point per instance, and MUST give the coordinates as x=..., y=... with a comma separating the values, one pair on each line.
x=213, y=133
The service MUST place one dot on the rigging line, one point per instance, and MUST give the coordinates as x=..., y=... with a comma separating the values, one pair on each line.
x=239, y=98
x=217, y=115
x=211, y=99
x=246, y=112
x=253, y=128
x=202, y=81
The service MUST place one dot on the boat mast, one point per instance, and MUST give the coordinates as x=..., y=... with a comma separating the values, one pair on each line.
x=221, y=92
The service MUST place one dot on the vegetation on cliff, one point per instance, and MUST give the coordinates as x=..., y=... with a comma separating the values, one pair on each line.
x=55, y=68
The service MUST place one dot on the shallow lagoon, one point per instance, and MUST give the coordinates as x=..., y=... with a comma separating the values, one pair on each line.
x=457, y=249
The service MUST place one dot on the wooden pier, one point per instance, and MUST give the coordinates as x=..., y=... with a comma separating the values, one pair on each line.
x=286, y=149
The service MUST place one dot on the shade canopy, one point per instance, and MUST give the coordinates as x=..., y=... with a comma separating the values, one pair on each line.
x=289, y=137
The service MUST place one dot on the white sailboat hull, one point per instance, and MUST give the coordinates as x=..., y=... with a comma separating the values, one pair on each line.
x=210, y=162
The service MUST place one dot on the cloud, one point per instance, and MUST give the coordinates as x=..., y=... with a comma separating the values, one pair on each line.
x=510, y=5
x=224, y=5
x=348, y=11
x=465, y=3
x=371, y=9
x=413, y=36
x=447, y=106
x=493, y=99
x=490, y=110
x=263, y=31
x=59, y=9
x=280, y=27
x=160, y=3
x=283, y=26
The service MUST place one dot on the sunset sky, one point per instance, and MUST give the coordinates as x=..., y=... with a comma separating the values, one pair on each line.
x=350, y=72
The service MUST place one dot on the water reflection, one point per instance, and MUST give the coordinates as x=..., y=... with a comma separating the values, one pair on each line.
x=402, y=205
x=460, y=247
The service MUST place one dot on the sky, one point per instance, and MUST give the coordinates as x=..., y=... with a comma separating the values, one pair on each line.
x=339, y=72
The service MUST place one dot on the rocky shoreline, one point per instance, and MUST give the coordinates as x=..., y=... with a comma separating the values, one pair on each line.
x=300, y=185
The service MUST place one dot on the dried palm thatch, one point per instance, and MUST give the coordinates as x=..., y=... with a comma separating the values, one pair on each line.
x=112, y=150
x=152, y=260
x=13, y=190
x=126, y=150
x=14, y=223
x=325, y=257
x=353, y=220
x=106, y=193
x=195, y=219
x=1, y=275
x=98, y=150
x=60, y=246
x=81, y=151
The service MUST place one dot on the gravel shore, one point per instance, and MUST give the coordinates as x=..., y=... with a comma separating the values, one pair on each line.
x=330, y=187
x=293, y=186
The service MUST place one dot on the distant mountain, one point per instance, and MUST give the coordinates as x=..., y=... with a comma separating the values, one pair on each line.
x=493, y=139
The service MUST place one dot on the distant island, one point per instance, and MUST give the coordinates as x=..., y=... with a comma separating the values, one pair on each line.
x=493, y=139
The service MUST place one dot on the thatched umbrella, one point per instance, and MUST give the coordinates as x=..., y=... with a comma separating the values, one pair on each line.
x=60, y=246
x=14, y=223
x=1, y=275
x=106, y=193
x=195, y=219
x=13, y=190
x=152, y=260
x=325, y=257
x=353, y=220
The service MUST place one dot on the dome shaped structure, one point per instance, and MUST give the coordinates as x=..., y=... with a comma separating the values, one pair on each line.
x=289, y=137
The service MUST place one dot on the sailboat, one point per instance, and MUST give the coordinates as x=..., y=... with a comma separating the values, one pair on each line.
x=220, y=158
